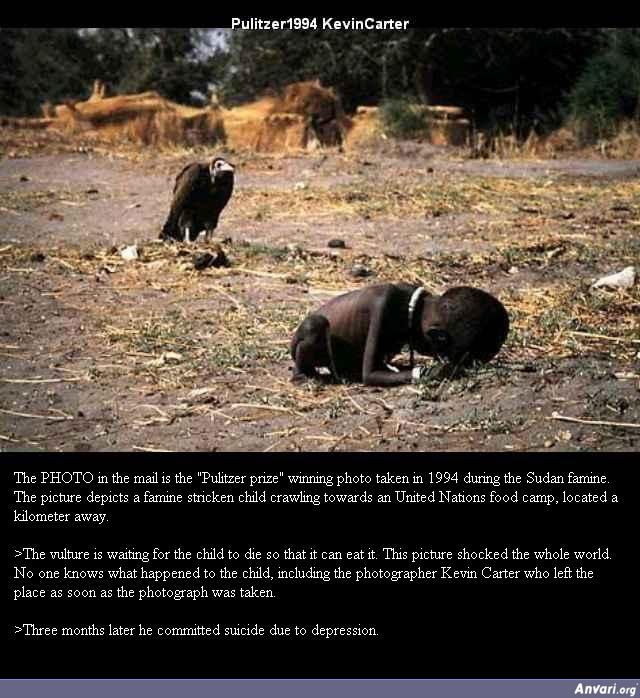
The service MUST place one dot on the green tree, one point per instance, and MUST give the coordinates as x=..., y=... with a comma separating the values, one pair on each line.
x=42, y=64
x=165, y=60
x=515, y=76
x=609, y=88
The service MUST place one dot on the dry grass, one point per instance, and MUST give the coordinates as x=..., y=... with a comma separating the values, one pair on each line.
x=626, y=143
x=144, y=119
x=237, y=330
x=172, y=347
x=567, y=140
x=210, y=340
x=272, y=124
x=443, y=194
x=282, y=123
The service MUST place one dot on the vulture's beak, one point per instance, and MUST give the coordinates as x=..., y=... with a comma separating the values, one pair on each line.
x=226, y=167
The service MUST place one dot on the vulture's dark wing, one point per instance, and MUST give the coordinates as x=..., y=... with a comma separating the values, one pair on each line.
x=179, y=176
x=191, y=183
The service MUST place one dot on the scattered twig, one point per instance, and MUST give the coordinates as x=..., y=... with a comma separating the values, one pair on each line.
x=594, y=422
x=345, y=392
x=40, y=380
x=254, y=406
x=18, y=441
x=385, y=405
x=338, y=441
x=603, y=336
x=150, y=449
x=27, y=415
x=222, y=292
x=60, y=412
x=64, y=264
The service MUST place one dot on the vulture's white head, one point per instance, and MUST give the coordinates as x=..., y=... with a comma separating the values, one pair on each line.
x=220, y=168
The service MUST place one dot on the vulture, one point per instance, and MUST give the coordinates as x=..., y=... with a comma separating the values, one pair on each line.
x=201, y=192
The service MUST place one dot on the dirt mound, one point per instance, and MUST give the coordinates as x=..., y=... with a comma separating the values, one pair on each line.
x=364, y=129
x=26, y=123
x=561, y=140
x=146, y=118
x=443, y=125
x=303, y=116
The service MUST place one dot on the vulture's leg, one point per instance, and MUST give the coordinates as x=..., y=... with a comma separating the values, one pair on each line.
x=185, y=223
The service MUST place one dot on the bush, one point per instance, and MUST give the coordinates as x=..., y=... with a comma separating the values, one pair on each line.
x=401, y=119
x=608, y=91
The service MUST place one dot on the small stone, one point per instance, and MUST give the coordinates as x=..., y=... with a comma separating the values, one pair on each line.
x=130, y=253
x=38, y=257
x=172, y=356
x=337, y=243
x=155, y=363
x=359, y=271
x=24, y=178
x=201, y=396
x=623, y=279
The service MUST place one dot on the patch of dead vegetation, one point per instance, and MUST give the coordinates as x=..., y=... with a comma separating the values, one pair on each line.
x=218, y=319
x=186, y=359
x=555, y=199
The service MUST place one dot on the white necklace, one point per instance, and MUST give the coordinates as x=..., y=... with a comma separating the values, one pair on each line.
x=415, y=297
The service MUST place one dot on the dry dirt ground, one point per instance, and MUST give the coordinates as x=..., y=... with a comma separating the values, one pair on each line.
x=101, y=354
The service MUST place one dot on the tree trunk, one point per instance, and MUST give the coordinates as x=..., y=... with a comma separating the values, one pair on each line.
x=423, y=82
